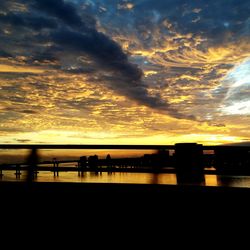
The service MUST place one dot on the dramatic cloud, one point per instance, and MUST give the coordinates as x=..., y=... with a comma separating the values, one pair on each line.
x=159, y=70
x=77, y=37
x=60, y=9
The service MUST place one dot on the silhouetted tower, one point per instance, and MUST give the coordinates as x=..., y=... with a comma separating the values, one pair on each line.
x=108, y=161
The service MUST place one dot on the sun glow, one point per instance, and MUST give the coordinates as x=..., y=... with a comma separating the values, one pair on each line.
x=237, y=81
x=240, y=75
x=239, y=108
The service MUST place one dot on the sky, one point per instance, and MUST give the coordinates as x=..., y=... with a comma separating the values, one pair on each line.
x=124, y=71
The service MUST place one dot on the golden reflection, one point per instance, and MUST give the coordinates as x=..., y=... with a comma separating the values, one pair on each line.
x=211, y=180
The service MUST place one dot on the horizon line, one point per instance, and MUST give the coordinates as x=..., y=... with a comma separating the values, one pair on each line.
x=113, y=146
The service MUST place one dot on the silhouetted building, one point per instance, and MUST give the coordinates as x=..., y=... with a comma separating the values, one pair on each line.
x=108, y=161
x=156, y=161
x=93, y=162
x=82, y=164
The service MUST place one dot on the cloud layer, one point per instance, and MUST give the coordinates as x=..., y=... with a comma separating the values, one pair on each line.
x=124, y=67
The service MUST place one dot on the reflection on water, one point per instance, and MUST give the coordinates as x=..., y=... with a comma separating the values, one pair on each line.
x=211, y=180
x=233, y=181
x=130, y=178
x=91, y=177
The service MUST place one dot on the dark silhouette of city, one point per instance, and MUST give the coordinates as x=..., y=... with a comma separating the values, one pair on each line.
x=190, y=162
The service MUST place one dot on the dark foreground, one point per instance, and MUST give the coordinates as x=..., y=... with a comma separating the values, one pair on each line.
x=124, y=210
x=116, y=196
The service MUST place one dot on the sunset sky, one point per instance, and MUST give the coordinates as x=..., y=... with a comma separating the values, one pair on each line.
x=124, y=72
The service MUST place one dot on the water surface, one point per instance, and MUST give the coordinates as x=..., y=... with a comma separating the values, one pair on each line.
x=129, y=178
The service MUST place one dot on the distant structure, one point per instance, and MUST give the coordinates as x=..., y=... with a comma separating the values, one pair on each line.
x=93, y=162
x=188, y=162
x=109, y=162
x=55, y=167
x=82, y=165
x=32, y=162
x=156, y=161
x=229, y=159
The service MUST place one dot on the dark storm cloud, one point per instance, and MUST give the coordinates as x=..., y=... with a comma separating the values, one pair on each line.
x=60, y=9
x=28, y=21
x=101, y=47
x=110, y=56
x=88, y=40
x=58, y=31
x=76, y=36
x=138, y=91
